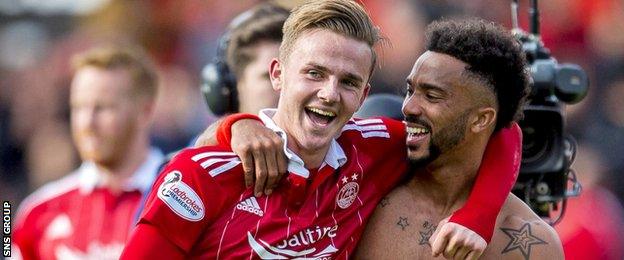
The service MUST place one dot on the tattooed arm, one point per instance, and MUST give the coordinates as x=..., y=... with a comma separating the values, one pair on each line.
x=520, y=234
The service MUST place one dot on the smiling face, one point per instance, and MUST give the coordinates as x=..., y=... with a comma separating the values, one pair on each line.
x=440, y=103
x=323, y=81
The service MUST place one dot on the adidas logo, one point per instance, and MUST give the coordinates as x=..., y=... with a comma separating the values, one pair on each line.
x=250, y=205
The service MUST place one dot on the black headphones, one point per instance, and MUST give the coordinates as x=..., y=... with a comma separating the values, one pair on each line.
x=218, y=80
x=219, y=83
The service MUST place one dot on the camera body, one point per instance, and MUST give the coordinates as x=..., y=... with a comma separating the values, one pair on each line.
x=547, y=151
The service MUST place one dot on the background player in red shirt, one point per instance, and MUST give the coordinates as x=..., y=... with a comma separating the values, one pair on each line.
x=199, y=207
x=89, y=213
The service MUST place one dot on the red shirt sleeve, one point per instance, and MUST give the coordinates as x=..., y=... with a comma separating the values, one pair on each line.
x=146, y=242
x=26, y=236
x=393, y=153
x=497, y=175
x=183, y=202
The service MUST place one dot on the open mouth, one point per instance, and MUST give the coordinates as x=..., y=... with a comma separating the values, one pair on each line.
x=319, y=116
x=416, y=134
x=416, y=130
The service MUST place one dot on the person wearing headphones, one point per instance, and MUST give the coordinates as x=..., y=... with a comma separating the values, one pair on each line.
x=238, y=79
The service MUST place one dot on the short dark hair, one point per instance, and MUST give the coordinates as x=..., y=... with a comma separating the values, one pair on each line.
x=492, y=53
x=261, y=23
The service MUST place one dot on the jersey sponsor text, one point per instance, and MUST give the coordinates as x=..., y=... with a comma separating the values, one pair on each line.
x=307, y=237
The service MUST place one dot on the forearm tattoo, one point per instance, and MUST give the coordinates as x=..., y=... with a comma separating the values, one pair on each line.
x=521, y=240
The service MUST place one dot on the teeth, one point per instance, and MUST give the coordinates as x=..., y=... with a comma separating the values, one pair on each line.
x=416, y=130
x=322, y=112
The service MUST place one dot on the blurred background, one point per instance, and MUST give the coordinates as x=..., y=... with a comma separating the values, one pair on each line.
x=38, y=37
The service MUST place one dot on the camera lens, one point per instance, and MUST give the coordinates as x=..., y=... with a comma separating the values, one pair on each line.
x=541, y=141
x=535, y=143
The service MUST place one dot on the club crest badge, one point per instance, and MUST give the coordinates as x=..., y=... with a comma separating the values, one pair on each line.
x=349, y=191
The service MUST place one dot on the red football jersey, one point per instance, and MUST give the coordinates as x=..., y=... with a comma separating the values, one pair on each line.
x=200, y=203
x=76, y=217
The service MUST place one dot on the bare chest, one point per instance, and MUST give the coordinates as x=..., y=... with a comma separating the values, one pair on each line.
x=400, y=228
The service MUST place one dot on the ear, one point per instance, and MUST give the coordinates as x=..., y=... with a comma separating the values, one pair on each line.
x=145, y=109
x=483, y=119
x=365, y=94
x=149, y=108
x=275, y=73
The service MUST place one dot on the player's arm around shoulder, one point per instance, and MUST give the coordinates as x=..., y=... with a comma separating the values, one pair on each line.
x=521, y=234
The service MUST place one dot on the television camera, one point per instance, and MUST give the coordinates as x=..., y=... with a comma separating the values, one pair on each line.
x=546, y=179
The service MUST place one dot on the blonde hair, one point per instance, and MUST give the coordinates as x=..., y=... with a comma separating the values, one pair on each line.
x=344, y=17
x=141, y=69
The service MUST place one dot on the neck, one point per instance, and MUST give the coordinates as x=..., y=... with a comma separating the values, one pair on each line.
x=312, y=157
x=117, y=173
x=448, y=180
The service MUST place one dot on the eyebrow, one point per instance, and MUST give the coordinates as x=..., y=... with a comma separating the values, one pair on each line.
x=317, y=67
x=354, y=77
x=348, y=75
x=426, y=86
x=429, y=86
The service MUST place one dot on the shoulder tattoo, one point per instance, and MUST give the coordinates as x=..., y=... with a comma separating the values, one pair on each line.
x=521, y=240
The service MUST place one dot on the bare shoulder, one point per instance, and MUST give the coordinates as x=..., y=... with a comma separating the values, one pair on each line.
x=521, y=234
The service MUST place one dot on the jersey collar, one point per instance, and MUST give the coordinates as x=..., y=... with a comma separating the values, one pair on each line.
x=90, y=177
x=334, y=158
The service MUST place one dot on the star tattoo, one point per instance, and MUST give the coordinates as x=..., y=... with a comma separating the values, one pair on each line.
x=384, y=202
x=428, y=229
x=521, y=239
x=403, y=223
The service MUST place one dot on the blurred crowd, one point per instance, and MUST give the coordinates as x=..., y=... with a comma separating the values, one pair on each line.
x=37, y=39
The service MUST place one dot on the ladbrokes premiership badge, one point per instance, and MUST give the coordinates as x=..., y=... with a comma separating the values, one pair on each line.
x=181, y=198
x=349, y=191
